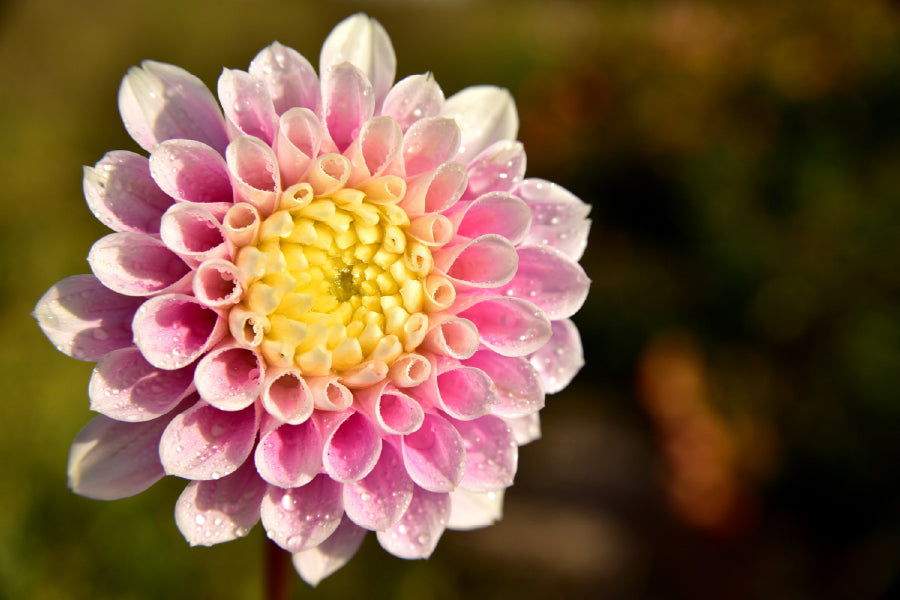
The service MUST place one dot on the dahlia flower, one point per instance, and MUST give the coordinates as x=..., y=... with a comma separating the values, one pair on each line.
x=333, y=305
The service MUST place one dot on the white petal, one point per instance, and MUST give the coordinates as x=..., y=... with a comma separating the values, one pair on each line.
x=485, y=114
x=363, y=42
x=471, y=510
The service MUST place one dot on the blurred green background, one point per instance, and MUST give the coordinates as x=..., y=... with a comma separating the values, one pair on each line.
x=735, y=434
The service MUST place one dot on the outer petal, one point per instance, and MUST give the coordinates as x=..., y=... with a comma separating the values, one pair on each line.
x=290, y=455
x=122, y=195
x=301, y=518
x=135, y=264
x=363, y=42
x=434, y=455
x=348, y=102
x=207, y=443
x=488, y=261
x=491, y=454
x=550, y=279
x=559, y=217
x=494, y=212
x=416, y=97
x=499, y=168
x=173, y=330
x=110, y=459
x=378, y=500
x=159, y=102
x=352, y=449
x=418, y=531
x=84, y=319
x=471, y=510
x=247, y=104
x=485, y=114
x=519, y=391
x=429, y=143
x=317, y=563
x=561, y=358
x=230, y=377
x=212, y=512
x=525, y=429
x=190, y=171
x=125, y=387
x=509, y=326
x=288, y=76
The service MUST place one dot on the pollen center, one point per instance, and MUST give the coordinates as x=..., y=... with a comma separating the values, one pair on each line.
x=333, y=281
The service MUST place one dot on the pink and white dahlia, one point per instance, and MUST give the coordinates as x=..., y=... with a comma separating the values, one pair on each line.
x=335, y=309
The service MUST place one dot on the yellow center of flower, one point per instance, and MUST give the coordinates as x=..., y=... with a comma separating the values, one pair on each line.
x=334, y=281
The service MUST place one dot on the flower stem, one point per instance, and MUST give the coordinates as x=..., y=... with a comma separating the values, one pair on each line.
x=277, y=572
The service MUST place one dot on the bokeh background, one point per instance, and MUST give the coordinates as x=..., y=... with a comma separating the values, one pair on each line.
x=736, y=433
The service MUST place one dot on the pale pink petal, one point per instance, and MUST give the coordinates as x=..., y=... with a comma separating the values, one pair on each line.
x=551, y=280
x=378, y=500
x=230, y=377
x=416, y=97
x=417, y=533
x=247, y=105
x=297, y=142
x=396, y=412
x=488, y=261
x=525, y=429
x=499, y=168
x=375, y=150
x=193, y=233
x=212, y=512
x=491, y=454
x=329, y=393
x=486, y=114
x=110, y=459
x=84, y=319
x=218, y=283
x=465, y=393
x=288, y=76
x=317, y=563
x=173, y=330
x=207, y=443
x=348, y=102
x=159, y=102
x=471, y=510
x=303, y=517
x=429, y=143
x=254, y=173
x=190, y=171
x=562, y=357
x=494, y=212
x=290, y=455
x=122, y=195
x=409, y=370
x=286, y=396
x=352, y=449
x=124, y=386
x=435, y=191
x=136, y=264
x=559, y=218
x=509, y=326
x=434, y=455
x=363, y=42
x=519, y=391
x=453, y=337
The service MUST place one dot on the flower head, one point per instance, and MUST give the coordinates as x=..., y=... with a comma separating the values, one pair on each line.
x=334, y=308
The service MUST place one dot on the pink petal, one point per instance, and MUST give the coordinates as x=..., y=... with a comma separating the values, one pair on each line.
x=551, y=280
x=301, y=518
x=488, y=261
x=378, y=500
x=290, y=455
x=159, y=102
x=453, y=337
x=352, y=449
x=122, y=195
x=329, y=393
x=84, y=319
x=173, y=330
x=465, y=393
x=491, y=454
x=136, y=264
x=396, y=412
x=363, y=42
x=247, y=105
x=435, y=191
x=230, y=377
x=519, y=391
x=525, y=429
x=378, y=146
x=509, y=326
x=287, y=397
x=212, y=512
x=348, y=102
x=110, y=459
x=254, y=173
x=559, y=217
x=416, y=97
x=125, y=387
x=288, y=76
x=561, y=358
x=190, y=171
x=429, y=143
x=207, y=443
x=495, y=212
x=319, y=562
x=499, y=168
x=193, y=233
x=471, y=510
x=417, y=533
x=434, y=455
x=218, y=283
x=485, y=114
x=297, y=142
